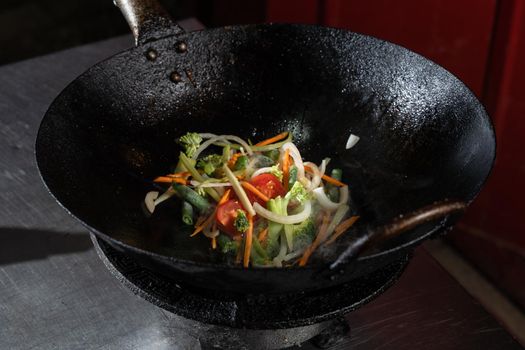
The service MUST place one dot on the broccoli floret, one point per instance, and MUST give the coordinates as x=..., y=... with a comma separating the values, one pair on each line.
x=277, y=172
x=209, y=163
x=298, y=192
x=191, y=142
x=303, y=234
x=241, y=221
x=227, y=245
x=241, y=163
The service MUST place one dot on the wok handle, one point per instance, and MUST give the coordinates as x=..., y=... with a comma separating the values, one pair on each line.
x=397, y=227
x=147, y=19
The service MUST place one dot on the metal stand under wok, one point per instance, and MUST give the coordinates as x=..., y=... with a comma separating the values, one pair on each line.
x=228, y=321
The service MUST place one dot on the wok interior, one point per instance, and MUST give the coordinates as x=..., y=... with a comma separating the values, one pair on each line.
x=424, y=136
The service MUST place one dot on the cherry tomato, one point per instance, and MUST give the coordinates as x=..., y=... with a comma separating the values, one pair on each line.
x=225, y=216
x=268, y=184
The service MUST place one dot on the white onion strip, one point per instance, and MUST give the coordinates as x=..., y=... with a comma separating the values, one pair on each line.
x=170, y=192
x=239, y=190
x=296, y=155
x=209, y=184
x=326, y=203
x=206, y=144
x=223, y=138
x=352, y=140
x=318, y=173
x=240, y=141
x=260, y=171
x=284, y=219
x=338, y=216
x=293, y=255
x=149, y=200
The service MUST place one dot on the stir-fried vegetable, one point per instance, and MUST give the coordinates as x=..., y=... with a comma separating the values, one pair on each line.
x=259, y=204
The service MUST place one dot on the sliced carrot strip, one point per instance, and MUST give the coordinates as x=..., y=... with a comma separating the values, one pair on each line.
x=286, y=168
x=248, y=242
x=224, y=197
x=203, y=225
x=342, y=228
x=248, y=186
x=233, y=159
x=213, y=243
x=263, y=234
x=318, y=240
x=165, y=179
x=326, y=177
x=184, y=174
x=276, y=138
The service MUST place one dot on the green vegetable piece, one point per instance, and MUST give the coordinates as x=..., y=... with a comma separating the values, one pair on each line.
x=298, y=192
x=256, y=246
x=188, y=164
x=277, y=172
x=273, y=155
x=187, y=213
x=274, y=229
x=292, y=176
x=227, y=246
x=241, y=221
x=200, y=203
x=226, y=153
x=210, y=163
x=191, y=142
x=332, y=191
x=304, y=234
x=241, y=163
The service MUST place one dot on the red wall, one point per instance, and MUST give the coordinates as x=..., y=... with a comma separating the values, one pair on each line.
x=483, y=43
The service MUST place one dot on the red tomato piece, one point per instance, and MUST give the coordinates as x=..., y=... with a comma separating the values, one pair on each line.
x=225, y=216
x=268, y=184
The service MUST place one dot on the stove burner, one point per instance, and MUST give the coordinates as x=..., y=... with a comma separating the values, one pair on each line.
x=265, y=321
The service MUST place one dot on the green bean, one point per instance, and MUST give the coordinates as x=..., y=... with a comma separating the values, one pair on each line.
x=200, y=203
x=187, y=213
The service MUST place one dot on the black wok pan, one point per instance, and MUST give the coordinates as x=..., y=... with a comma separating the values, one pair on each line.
x=424, y=136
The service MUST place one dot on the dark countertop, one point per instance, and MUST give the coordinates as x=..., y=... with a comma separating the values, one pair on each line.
x=55, y=293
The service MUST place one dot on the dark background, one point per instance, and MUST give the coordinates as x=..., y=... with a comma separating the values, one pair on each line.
x=35, y=27
x=480, y=41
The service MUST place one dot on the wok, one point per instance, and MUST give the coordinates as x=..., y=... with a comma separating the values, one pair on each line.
x=424, y=137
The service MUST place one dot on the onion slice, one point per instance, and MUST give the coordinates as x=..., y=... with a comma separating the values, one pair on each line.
x=223, y=138
x=260, y=171
x=338, y=216
x=326, y=203
x=296, y=155
x=284, y=219
x=206, y=144
x=149, y=200
x=209, y=184
x=239, y=190
x=352, y=140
